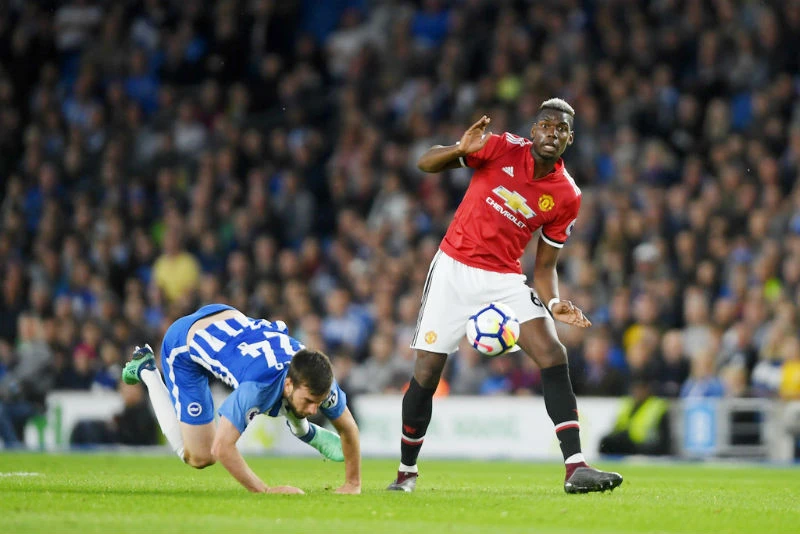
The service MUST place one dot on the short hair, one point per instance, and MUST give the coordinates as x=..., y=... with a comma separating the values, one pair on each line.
x=558, y=105
x=311, y=368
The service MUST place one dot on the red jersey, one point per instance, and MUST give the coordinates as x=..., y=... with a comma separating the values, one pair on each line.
x=504, y=206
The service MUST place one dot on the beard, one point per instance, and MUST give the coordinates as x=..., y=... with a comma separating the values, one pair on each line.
x=290, y=407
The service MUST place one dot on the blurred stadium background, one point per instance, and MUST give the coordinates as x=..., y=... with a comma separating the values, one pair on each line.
x=157, y=155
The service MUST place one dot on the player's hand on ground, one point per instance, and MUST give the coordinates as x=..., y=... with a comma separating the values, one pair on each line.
x=286, y=490
x=566, y=312
x=475, y=137
x=349, y=489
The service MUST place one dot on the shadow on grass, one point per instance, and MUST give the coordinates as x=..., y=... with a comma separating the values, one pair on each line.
x=171, y=492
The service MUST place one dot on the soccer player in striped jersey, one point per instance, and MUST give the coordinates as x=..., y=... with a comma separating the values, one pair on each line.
x=270, y=372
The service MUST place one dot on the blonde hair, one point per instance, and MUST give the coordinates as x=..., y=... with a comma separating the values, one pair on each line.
x=558, y=105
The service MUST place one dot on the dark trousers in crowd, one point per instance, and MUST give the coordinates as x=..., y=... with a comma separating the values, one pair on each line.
x=13, y=416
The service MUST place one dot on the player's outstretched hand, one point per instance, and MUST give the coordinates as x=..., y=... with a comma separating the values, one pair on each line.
x=286, y=490
x=476, y=137
x=349, y=489
x=566, y=312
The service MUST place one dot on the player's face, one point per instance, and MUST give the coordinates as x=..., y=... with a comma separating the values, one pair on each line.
x=301, y=401
x=551, y=134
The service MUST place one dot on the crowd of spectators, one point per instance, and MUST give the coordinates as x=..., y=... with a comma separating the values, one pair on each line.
x=156, y=155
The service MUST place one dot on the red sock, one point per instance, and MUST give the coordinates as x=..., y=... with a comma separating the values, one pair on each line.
x=572, y=467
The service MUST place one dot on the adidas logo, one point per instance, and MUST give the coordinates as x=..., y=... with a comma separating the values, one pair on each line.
x=509, y=171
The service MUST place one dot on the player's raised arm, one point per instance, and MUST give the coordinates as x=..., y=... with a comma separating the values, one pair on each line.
x=348, y=432
x=224, y=449
x=545, y=282
x=441, y=158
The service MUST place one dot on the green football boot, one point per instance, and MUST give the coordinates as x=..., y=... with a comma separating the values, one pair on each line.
x=327, y=443
x=143, y=358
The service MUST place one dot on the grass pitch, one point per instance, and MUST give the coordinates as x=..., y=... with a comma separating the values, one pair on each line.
x=116, y=493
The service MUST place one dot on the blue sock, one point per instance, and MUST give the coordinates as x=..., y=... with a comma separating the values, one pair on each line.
x=312, y=431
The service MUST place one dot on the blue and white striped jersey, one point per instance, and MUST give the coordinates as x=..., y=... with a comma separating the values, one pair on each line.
x=250, y=355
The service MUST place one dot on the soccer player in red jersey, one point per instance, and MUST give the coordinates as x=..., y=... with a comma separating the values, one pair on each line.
x=519, y=186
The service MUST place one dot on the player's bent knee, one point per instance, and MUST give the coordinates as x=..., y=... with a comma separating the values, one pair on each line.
x=428, y=368
x=199, y=461
x=197, y=442
x=428, y=379
x=552, y=355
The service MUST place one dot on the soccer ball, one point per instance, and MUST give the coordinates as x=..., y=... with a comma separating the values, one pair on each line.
x=493, y=330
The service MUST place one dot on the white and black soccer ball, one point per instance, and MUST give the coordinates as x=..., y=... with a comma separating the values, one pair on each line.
x=493, y=330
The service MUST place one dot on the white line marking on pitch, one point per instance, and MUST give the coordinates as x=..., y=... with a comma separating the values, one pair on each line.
x=20, y=474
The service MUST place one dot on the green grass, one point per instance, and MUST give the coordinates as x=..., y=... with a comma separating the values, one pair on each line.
x=116, y=493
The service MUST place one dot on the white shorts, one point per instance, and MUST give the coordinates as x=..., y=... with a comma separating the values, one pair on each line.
x=454, y=291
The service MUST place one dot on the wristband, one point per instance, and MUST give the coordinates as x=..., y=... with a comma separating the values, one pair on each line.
x=461, y=158
x=550, y=303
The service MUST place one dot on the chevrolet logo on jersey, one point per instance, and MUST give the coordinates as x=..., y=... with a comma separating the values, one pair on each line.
x=514, y=201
